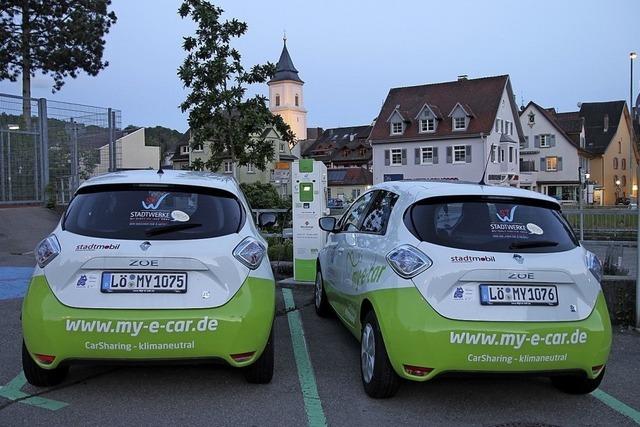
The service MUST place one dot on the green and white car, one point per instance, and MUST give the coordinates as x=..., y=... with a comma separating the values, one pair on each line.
x=442, y=277
x=148, y=266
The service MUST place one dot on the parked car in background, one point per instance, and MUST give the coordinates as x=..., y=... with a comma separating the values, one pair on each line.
x=334, y=203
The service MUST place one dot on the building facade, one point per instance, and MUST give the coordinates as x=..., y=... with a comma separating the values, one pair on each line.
x=449, y=130
x=342, y=147
x=131, y=153
x=549, y=157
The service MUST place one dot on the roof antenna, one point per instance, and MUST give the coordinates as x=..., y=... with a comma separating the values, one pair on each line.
x=484, y=172
x=284, y=36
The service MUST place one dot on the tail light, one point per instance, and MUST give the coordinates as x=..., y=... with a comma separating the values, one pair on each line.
x=594, y=265
x=408, y=261
x=243, y=357
x=47, y=250
x=250, y=252
x=45, y=358
x=418, y=371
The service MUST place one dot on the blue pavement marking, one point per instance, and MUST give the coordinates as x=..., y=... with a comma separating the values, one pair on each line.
x=14, y=281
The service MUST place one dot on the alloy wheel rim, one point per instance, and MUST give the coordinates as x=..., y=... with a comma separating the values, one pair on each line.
x=367, y=353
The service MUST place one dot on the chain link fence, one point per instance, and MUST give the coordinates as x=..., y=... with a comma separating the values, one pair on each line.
x=47, y=148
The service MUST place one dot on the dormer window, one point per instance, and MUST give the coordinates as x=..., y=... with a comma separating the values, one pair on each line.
x=397, y=128
x=459, y=123
x=277, y=100
x=428, y=125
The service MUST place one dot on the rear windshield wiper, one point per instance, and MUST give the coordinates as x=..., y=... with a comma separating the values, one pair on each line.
x=534, y=244
x=169, y=228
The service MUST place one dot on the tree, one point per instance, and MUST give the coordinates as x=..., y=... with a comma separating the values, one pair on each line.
x=263, y=196
x=219, y=112
x=57, y=37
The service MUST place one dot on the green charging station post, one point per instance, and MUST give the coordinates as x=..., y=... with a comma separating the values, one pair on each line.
x=309, y=185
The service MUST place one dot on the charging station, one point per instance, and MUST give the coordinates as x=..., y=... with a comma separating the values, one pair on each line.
x=309, y=179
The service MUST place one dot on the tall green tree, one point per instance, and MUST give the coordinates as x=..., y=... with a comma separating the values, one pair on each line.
x=57, y=37
x=220, y=113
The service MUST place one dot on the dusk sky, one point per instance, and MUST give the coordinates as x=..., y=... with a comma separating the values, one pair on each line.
x=350, y=53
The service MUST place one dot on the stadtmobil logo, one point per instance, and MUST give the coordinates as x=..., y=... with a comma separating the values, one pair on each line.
x=468, y=258
x=97, y=247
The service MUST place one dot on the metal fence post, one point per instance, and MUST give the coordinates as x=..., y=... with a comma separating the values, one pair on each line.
x=75, y=179
x=44, y=144
x=580, y=205
x=637, y=253
x=2, y=183
x=112, y=145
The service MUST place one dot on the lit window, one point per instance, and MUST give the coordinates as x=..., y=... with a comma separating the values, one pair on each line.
x=427, y=125
x=228, y=166
x=552, y=164
x=396, y=128
x=427, y=155
x=396, y=157
x=459, y=123
x=277, y=100
x=459, y=154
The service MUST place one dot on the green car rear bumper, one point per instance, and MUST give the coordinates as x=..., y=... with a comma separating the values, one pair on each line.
x=415, y=335
x=240, y=328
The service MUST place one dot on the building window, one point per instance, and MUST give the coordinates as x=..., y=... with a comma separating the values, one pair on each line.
x=494, y=157
x=277, y=100
x=510, y=154
x=184, y=149
x=198, y=148
x=427, y=155
x=396, y=128
x=427, y=125
x=524, y=144
x=615, y=163
x=297, y=100
x=228, y=166
x=498, y=124
x=623, y=181
x=396, y=157
x=619, y=147
x=502, y=156
x=532, y=118
x=363, y=152
x=544, y=141
x=251, y=168
x=552, y=164
x=459, y=154
x=459, y=123
x=623, y=164
x=282, y=147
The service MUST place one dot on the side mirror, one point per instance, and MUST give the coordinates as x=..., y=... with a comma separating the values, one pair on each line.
x=267, y=219
x=327, y=223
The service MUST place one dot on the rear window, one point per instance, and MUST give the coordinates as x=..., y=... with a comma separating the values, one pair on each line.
x=491, y=224
x=138, y=212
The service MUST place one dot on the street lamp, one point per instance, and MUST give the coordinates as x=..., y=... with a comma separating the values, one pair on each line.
x=632, y=56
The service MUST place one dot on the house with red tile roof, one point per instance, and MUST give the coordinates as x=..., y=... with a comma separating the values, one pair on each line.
x=449, y=130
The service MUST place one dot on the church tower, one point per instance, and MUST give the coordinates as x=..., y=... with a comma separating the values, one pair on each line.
x=285, y=95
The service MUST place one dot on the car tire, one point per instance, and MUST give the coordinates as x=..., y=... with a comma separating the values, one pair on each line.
x=38, y=376
x=320, y=302
x=261, y=371
x=378, y=377
x=574, y=384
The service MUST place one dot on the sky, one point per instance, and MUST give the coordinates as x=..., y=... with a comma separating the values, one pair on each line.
x=350, y=53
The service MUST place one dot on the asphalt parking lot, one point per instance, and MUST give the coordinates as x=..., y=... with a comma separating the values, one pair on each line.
x=316, y=379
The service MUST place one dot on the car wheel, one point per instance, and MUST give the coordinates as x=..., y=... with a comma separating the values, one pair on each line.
x=261, y=371
x=323, y=309
x=378, y=377
x=574, y=384
x=38, y=376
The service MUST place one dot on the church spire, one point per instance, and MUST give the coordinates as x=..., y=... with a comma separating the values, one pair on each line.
x=285, y=70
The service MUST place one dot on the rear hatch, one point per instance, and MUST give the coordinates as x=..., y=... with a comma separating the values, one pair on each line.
x=501, y=259
x=149, y=246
